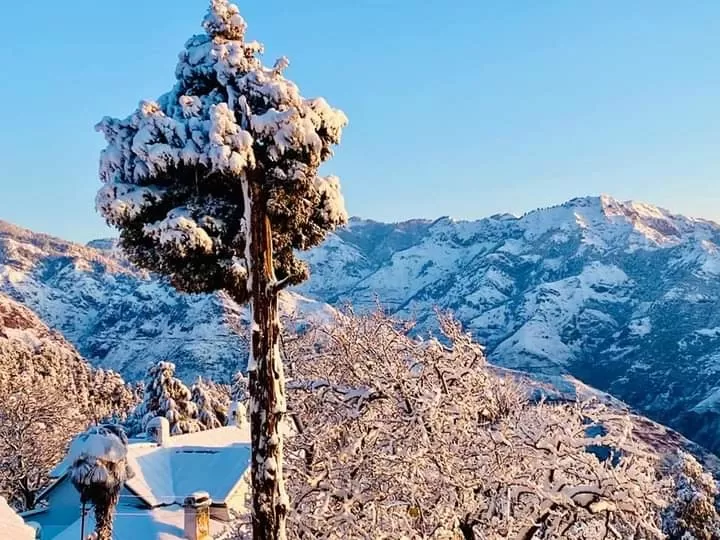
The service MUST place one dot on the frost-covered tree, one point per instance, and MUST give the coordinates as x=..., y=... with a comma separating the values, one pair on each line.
x=239, y=388
x=110, y=398
x=47, y=394
x=692, y=515
x=166, y=395
x=240, y=397
x=215, y=185
x=212, y=404
x=36, y=423
x=418, y=439
x=99, y=470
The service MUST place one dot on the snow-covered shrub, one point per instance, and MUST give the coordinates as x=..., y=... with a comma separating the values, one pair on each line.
x=692, y=514
x=99, y=470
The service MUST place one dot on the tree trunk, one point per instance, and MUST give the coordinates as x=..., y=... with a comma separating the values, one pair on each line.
x=27, y=495
x=104, y=515
x=266, y=380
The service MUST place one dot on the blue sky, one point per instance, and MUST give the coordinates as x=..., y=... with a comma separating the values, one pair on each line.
x=456, y=107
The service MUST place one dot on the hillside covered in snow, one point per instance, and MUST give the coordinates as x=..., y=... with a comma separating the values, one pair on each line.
x=33, y=355
x=624, y=296
x=119, y=317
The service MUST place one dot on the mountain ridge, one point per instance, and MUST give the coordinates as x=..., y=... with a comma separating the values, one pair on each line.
x=624, y=296
x=618, y=294
x=120, y=317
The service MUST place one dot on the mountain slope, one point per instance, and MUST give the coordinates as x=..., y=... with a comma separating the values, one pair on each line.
x=28, y=348
x=33, y=355
x=624, y=296
x=119, y=317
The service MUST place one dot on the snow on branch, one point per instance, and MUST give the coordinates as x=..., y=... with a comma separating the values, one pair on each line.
x=420, y=439
x=99, y=458
x=176, y=165
x=223, y=19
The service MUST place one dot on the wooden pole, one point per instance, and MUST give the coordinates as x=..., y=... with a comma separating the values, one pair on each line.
x=82, y=523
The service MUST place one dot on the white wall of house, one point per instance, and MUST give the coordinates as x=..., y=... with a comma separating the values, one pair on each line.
x=236, y=502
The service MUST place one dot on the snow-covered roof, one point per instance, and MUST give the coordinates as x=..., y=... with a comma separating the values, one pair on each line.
x=12, y=525
x=213, y=461
x=158, y=524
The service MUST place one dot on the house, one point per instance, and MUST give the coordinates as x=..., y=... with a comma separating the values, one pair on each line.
x=12, y=525
x=168, y=470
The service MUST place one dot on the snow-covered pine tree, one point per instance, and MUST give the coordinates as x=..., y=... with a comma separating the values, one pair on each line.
x=239, y=389
x=166, y=395
x=111, y=399
x=211, y=407
x=239, y=396
x=215, y=185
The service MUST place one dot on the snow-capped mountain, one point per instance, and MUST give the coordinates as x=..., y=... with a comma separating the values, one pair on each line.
x=624, y=296
x=120, y=318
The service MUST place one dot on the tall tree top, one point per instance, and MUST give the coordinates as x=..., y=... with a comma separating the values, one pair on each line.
x=179, y=172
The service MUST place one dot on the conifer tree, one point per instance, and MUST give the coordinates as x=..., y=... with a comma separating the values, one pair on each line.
x=215, y=185
x=239, y=388
x=240, y=396
x=111, y=399
x=692, y=514
x=167, y=396
x=212, y=412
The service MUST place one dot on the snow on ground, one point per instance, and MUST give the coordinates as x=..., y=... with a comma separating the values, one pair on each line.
x=123, y=319
x=295, y=305
x=709, y=332
x=551, y=306
x=27, y=336
x=640, y=327
x=711, y=402
x=408, y=272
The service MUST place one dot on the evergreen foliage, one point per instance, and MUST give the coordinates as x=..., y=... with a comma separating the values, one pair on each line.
x=211, y=402
x=167, y=396
x=215, y=185
x=177, y=173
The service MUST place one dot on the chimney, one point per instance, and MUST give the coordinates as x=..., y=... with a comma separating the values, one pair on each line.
x=158, y=430
x=197, y=516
